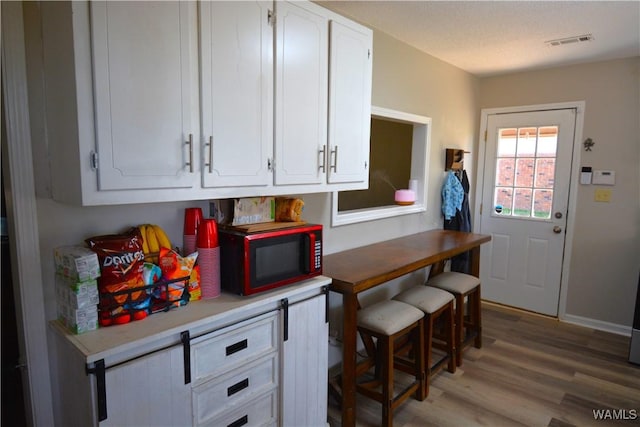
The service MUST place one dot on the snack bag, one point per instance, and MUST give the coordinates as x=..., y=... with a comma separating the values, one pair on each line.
x=121, y=261
x=174, y=266
x=195, y=292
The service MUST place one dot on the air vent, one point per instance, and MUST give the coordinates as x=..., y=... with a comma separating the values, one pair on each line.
x=570, y=40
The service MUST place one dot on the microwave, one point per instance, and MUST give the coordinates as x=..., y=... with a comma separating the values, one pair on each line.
x=251, y=263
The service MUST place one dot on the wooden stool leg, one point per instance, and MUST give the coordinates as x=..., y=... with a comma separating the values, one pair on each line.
x=459, y=327
x=387, y=382
x=422, y=371
x=450, y=337
x=477, y=317
x=428, y=343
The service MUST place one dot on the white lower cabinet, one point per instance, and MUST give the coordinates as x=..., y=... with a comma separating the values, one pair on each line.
x=232, y=361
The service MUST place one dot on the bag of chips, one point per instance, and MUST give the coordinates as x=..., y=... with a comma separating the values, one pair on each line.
x=121, y=261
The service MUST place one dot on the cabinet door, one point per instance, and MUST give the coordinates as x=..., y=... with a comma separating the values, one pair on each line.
x=236, y=42
x=144, y=56
x=305, y=365
x=301, y=93
x=349, y=103
x=149, y=391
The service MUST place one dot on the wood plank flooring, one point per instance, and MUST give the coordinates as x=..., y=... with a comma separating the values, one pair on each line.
x=531, y=371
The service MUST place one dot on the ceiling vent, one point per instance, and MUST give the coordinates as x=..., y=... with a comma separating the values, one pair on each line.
x=570, y=40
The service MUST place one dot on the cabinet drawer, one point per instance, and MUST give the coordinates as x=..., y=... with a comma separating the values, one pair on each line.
x=262, y=411
x=217, y=353
x=234, y=390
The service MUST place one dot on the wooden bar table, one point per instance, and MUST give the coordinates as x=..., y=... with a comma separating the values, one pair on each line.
x=356, y=270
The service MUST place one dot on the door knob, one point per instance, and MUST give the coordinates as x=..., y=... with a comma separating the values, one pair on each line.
x=557, y=229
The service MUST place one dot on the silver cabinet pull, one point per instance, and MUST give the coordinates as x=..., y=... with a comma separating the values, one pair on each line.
x=323, y=165
x=210, y=145
x=334, y=166
x=190, y=144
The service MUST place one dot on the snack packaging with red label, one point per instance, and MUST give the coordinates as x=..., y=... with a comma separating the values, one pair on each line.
x=173, y=267
x=121, y=261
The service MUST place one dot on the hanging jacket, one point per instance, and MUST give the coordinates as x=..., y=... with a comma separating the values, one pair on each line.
x=452, y=196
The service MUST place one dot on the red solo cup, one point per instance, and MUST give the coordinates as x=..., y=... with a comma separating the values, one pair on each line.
x=192, y=219
x=208, y=234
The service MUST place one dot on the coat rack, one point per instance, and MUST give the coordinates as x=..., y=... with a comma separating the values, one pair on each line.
x=454, y=159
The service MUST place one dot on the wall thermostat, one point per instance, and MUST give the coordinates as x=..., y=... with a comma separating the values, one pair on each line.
x=604, y=177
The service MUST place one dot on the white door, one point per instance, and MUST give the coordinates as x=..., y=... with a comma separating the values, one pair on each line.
x=144, y=58
x=236, y=62
x=527, y=169
x=302, y=69
x=349, y=103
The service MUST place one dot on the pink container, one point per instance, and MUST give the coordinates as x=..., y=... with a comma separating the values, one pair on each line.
x=209, y=262
x=192, y=220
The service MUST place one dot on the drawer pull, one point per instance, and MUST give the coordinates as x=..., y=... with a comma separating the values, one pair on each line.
x=237, y=387
x=234, y=348
x=239, y=422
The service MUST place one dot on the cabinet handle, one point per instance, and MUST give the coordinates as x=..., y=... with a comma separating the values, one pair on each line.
x=99, y=371
x=234, y=348
x=334, y=166
x=237, y=387
x=323, y=159
x=186, y=355
x=284, y=304
x=210, y=145
x=190, y=144
x=239, y=422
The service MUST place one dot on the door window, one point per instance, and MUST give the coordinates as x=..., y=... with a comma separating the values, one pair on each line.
x=525, y=171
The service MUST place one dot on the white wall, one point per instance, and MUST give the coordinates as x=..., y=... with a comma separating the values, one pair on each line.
x=605, y=259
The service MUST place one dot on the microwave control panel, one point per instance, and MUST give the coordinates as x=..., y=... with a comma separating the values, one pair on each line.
x=318, y=255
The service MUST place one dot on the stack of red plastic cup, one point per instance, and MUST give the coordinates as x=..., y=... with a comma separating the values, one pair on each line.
x=209, y=258
x=192, y=220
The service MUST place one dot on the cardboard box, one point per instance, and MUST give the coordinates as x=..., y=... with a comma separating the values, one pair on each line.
x=254, y=210
x=77, y=263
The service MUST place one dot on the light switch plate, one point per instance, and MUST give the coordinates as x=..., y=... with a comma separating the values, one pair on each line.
x=602, y=195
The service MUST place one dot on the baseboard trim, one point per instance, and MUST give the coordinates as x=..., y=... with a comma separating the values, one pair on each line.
x=597, y=324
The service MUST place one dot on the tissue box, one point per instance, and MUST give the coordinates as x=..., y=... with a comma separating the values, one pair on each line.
x=254, y=210
x=76, y=294
x=78, y=320
x=77, y=263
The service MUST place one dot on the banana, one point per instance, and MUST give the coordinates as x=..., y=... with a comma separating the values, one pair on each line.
x=143, y=233
x=154, y=246
x=163, y=239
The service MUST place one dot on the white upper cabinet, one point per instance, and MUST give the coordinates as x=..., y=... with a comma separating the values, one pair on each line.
x=349, y=102
x=144, y=55
x=157, y=101
x=301, y=93
x=236, y=66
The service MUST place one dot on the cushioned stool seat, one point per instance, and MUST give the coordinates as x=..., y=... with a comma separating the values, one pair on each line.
x=389, y=321
x=468, y=326
x=435, y=304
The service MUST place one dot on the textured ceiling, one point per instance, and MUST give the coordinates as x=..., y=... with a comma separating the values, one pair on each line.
x=496, y=37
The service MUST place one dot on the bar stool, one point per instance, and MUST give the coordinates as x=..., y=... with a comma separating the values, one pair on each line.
x=468, y=326
x=388, y=321
x=435, y=304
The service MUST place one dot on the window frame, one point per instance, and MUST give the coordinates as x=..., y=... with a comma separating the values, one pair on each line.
x=420, y=154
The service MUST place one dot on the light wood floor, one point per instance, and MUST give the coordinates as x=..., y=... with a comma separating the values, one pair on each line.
x=531, y=371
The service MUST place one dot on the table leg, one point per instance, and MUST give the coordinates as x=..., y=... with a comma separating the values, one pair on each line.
x=349, y=332
x=474, y=261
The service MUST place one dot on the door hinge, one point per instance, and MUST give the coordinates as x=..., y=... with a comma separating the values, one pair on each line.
x=270, y=164
x=365, y=164
x=485, y=135
x=94, y=160
x=368, y=53
x=480, y=208
x=271, y=17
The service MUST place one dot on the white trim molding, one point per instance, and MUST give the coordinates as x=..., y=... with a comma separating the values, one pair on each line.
x=23, y=221
x=597, y=324
x=420, y=154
